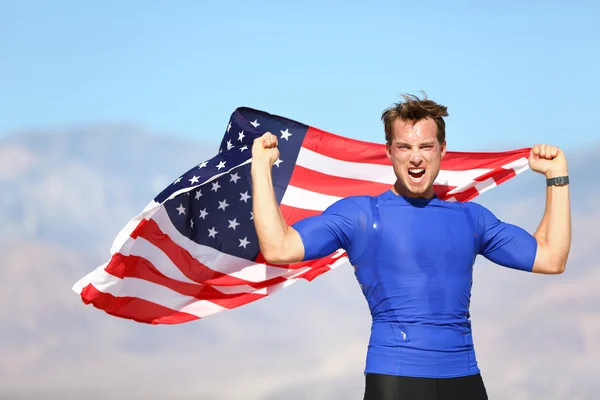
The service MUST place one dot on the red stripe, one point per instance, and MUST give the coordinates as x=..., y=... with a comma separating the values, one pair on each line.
x=318, y=182
x=332, y=185
x=466, y=194
x=461, y=161
x=343, y=148
x=293, y=214
x=133, y=308
x=500, y=175
x=189, y=266
x=346, y=149
x=123, y=266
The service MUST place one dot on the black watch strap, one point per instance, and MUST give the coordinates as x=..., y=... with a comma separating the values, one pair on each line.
x=557, y=181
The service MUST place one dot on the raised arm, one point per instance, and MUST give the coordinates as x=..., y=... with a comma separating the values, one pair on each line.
x=279, y=242
x=553, y=235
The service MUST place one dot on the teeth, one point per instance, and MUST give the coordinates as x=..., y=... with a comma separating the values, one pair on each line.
x=416, y=170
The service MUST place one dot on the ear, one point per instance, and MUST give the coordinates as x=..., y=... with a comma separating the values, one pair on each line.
x=444, y=148
x=388, y=151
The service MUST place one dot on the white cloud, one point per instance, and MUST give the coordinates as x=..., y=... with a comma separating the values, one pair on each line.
x=15, y=160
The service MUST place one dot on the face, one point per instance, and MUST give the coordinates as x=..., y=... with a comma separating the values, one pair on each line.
x=416, y=155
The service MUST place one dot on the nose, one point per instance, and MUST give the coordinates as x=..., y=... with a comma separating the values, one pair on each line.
x=416, y=157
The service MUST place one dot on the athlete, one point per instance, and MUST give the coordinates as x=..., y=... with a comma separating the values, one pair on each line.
x=413, y=253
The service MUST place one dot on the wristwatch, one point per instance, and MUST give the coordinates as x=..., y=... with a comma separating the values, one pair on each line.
x=557, y=181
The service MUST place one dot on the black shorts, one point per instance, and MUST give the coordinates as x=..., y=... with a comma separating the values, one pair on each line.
x=389, y=387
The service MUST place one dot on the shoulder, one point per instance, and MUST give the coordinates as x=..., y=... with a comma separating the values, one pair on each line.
x=482, y=216
x=349, y=205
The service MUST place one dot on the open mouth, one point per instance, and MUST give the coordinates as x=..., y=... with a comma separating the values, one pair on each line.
x=416, y=174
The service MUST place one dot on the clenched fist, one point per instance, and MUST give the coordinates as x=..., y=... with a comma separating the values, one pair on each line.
x=548, y=160
x=264, y=149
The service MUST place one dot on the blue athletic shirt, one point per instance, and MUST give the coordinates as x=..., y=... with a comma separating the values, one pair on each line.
x=413, y=259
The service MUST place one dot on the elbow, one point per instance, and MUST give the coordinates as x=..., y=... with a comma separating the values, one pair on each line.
x=557, y=268
x=560, y=267
x=272, y=256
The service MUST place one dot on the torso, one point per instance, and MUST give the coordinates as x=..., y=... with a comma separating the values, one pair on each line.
x=414, y=262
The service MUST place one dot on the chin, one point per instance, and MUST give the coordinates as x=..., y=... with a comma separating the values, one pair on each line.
x=421, y=188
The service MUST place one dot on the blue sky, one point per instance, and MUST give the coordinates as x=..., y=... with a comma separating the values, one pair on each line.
x=512, y=74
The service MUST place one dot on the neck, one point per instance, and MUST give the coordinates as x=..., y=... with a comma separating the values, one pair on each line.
x=402, y=190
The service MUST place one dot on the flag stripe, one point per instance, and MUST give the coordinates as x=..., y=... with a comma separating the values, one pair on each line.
x=361, y=152
x=341, y=173
x=295, y=214
x=323, y=183
x=134, y=308
x=219, y=262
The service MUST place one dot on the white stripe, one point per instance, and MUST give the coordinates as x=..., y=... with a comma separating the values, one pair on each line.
x=144, y=249
x=306, y=199
x=87, y=279
x=376, y=172
x=125, y=233
x=519, y=165
x=133, y=287
x=217, y=261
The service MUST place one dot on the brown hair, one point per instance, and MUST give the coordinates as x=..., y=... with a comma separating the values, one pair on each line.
x=414, y=109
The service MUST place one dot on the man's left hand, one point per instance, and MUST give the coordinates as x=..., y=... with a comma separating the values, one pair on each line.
x=548, y=160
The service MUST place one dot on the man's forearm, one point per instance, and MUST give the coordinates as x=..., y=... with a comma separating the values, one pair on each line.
x=268, y=221
x=554, y=232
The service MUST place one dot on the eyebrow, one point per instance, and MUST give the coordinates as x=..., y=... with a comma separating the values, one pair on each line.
x=428, y=143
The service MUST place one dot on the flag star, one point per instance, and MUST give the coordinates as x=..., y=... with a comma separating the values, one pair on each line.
x=233, y=223
x=177, y=181
x=234, y=178
x=194, y=180
x=192, y=223
x=203, y=213
x=221, y=165
x=243, y=242
x=245, y=196
x=251, y=215
x=223, y=204
x=278, y=162
x=212, y=232
x=198, y=194
x=204, y=163
x=216, y=186
x=243, y=148
x=241, y=136
x=229, y=127
x=285, y=134
x=229, y=145
x=181, y=209
x=255, y=123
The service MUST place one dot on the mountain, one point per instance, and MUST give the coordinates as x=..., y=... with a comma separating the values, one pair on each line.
x=65, y=195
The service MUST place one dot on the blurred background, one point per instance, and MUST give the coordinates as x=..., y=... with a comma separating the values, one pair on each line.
x=102, y=104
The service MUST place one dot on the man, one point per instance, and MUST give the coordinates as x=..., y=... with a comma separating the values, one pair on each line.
x=413, y=253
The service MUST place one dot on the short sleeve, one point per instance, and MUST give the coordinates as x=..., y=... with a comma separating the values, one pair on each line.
x=336, y=228
x=505, y=244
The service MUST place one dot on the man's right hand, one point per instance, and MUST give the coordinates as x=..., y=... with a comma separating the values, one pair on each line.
x=264, y=149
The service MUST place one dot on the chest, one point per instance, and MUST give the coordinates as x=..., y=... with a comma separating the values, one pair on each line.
x=425, y=239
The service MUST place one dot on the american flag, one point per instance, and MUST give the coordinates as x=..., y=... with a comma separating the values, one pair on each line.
x=193, y=251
